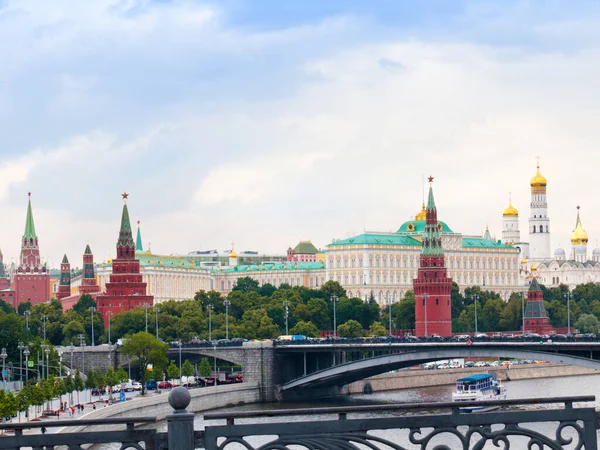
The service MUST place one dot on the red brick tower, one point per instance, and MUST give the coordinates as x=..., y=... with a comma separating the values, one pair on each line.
x=432, y=286
x=89, y=285
x=536, y=317
x=64, y=287
x=125, y=289
x=31, y=280
x=6, y=293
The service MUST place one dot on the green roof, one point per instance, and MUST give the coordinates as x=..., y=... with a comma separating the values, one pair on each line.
x=125, y=236
x=138, y=240
x=29, y=225
x=65, y=260
x=88, y=250
x=418, y=227
x=266, y=267
x=148, y=259
x=306, y=247
x=479, y=242
x=378, y=239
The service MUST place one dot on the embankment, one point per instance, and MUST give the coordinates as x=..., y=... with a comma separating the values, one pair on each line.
x=157, y=405
x=419, y=378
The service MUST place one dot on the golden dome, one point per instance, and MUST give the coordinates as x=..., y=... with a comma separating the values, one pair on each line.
x=233, y=254
x=533, y=268
x=422, y=215
x=510, y=211
x=538, y=180
x=523, y=261
x=579, y=236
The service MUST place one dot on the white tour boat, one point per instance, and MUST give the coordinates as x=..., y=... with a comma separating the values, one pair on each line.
x=478, y=387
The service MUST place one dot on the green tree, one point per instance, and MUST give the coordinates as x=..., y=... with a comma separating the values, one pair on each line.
x=205, y=369
x=24, y=399
x=145, y=349
x=377, y=329
x=69, y=388
x=122, y=375
x=256, y=324
x=317, y=312
x=305, y=329
x=587, y=323
x=245, y=285
x=267, y=290
x=82, y=306
x=350, y=328
x=24, y=306
x=110, y=379
x=173, y=370
x=187, y=370
x=331, y=288
x=9, y=404
x=78, y=383
x=403, y=313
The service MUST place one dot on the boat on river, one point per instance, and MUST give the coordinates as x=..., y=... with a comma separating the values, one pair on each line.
x=478, y=387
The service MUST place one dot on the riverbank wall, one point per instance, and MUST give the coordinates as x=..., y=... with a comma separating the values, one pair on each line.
x=157, y=405
x=420, y=378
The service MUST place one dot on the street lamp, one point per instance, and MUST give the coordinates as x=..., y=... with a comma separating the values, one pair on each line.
x=523, y=312
x=286, y=305
x=334, y=299
x=210, y=307
x=3, y=355
x=146, y=306
x=71, y=347
x=227, y=303
x=47, y=351
x=390, y=307
x=82, y=344
x=425, y=295
x=179, y=345
x=92, y=309
x=42, y=347
x=26, y=353
x=21, y=346
x=26, y=314
x=60, y=364
x=44, y=318
x=475, y=298
x=568, y=297
x=109, y=315
x=156, y=311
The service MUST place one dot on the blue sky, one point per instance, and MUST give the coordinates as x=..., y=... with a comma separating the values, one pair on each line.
x=267, y=122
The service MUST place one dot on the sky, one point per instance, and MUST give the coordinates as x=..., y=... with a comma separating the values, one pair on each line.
x=266, y=122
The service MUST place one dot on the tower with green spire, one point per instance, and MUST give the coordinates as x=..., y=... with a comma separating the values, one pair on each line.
x=31, y=280
x=139, y=247
x=536, y=317
x=126, y=288
x=432, y=287
x=64, y=287
x=89, y=285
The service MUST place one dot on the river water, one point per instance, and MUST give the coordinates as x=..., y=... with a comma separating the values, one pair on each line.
x=546, y=387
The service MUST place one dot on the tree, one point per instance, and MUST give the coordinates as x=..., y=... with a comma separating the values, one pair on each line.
x=245, y=285
x=69, y=388
x=587, y=323
x=404, y=312
x=9, y=404
x=146, y=349
x=267, y=290
x=351, y=328
x=205, y=369
x=173, y=370
x=377, y=329
x=331, y=287
x=110, y=378
x=305, y=329
x=25, y=306
x=256, y=324
x=83, y=304
x=24, y=400
x=122, y=375
x=187, y=369
x=78, y=383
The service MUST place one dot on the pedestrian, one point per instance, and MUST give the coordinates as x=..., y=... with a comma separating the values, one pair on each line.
x=58, y=414
x=94, y=407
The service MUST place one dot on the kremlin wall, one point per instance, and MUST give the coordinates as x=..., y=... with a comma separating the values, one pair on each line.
x=424, y=254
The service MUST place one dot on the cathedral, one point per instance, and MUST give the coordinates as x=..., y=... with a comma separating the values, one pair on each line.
x=570, y=267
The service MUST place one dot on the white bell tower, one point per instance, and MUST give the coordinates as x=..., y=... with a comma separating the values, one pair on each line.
x=539, y=222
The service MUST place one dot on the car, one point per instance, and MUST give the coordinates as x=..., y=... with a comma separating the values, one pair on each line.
x=495, y=363
x=469, y=364
x=481, y=364
x=136, y=386
x=165, y=385
x=151, y=385
x=116, y=388
x=481, y=336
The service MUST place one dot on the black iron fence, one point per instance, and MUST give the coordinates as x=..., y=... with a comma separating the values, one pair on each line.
x=560, y=424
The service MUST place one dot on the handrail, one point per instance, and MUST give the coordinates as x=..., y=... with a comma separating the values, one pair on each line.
x=75, y=422
x=395, y=407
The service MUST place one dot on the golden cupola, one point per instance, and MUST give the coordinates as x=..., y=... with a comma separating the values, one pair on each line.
x=511, y=210
x=422, y=215
x=579, y=236
x=538, y=181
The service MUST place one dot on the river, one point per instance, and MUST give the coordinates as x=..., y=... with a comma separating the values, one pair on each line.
x=546, y=387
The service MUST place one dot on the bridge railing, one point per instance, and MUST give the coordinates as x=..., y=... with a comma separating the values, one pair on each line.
x=395, y=426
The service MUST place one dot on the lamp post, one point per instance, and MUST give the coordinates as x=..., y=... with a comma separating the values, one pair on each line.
x=475, y=298
x=21, y=346
x=26, y=353
x=210, y=307
x=568, y=297
x=43, y=317
x=3, y=355
x=71, y=347
x=47, y=351
x=60, y=364
x=82, y=344
x=523, y=313
x=227, y=303
x=146, y=306
x=26, y=314
x=156, y=311
x=390, y=326
x=425, y=295
x=179, y=345
x=286, y=305
x=108, y=316
x=92, y=309
x=42, y=347
x=334, y=300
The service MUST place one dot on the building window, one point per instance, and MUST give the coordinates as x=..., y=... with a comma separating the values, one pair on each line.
x=437, y=301
x=534, y=228
x=541, y=228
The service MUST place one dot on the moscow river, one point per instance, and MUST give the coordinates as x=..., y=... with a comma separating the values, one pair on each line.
x=546, y=387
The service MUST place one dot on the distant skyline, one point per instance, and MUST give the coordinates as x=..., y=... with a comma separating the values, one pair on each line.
x=268, y=122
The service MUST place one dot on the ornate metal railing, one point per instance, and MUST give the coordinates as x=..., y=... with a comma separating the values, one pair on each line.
x=396, y=428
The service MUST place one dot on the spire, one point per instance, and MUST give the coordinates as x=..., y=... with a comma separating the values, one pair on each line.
x=487, y=234
x=65, y=260
x=139, y=247
x=579, y=235
x=125, y=235
x=29, y=225
x=432, y=241
x=88, y=250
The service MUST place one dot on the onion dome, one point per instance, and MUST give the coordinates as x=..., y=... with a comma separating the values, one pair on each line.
x=559, y=252
x=596, y=252
x=233, y=254
x=533, y=268
x=523, y=261
x=511, y=210
x=422, y=215
x=579, y=236
x=538, y=180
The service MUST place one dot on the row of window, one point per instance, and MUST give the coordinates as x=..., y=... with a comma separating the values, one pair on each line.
x=413, y=262
x=406, y=278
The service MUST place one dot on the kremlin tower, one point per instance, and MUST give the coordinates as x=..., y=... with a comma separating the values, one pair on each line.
x=536, y=317
x=432, y=286
x=6, y=293
x=88, y=283
x=510, y=225
x=31, y=280
x=125, y=289
x=64, y=288
x=539, y=223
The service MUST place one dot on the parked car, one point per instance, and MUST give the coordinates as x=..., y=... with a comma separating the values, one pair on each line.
x=469, y=364
x=151, y=385
x=136, y=385
x=165, y=385
x=481, y=364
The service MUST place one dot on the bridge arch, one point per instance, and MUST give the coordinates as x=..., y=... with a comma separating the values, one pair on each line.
x=357, y=370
